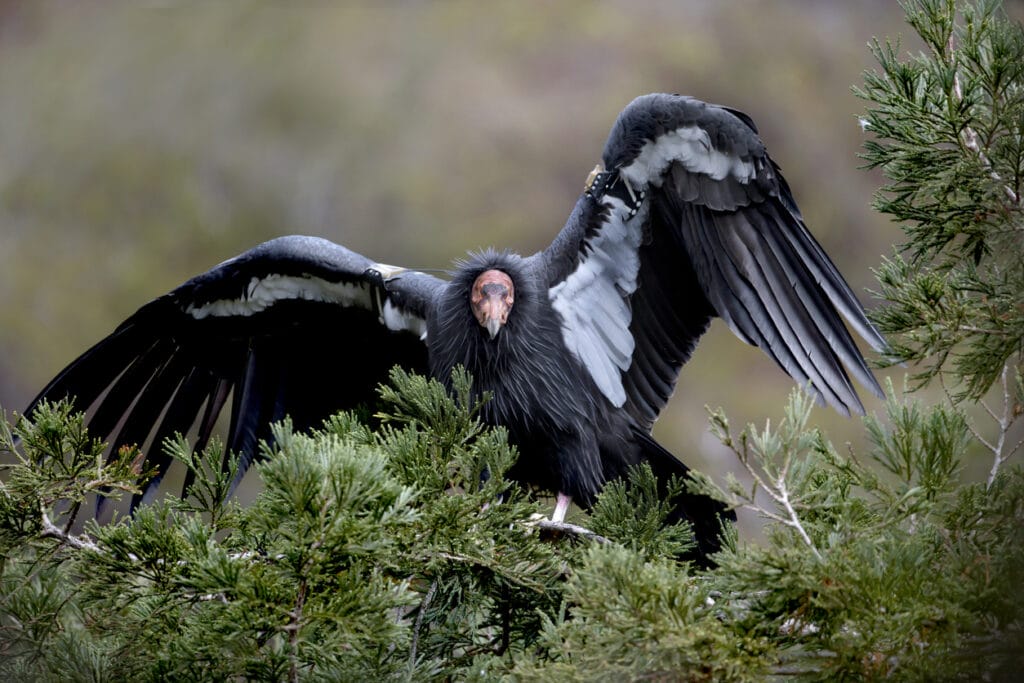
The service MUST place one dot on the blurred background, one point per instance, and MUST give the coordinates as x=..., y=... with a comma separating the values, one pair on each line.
x=140, y=144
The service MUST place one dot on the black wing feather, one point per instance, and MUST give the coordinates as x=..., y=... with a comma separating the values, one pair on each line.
x=775, y=317
x=97, y=367
x=295, y=326
x=192, y=393
x=720, y=235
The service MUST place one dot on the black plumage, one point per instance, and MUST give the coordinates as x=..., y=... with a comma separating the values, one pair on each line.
x=580, y=344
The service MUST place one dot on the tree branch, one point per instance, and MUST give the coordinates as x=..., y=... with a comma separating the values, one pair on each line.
x=50, y=530
x=419, y=623
x=571, y=529
x=970, y=136
x=1004, y=421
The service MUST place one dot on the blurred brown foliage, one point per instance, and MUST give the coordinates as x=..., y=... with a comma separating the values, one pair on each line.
x=141, y=144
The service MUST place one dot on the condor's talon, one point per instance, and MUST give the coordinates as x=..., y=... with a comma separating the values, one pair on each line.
x=562, y=503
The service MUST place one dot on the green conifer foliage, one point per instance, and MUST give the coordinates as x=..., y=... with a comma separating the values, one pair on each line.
x=947, y=130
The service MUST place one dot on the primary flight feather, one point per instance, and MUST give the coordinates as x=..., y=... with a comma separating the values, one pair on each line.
x=580, y=345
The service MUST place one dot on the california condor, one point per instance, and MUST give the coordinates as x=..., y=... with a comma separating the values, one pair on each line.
x=687, y=218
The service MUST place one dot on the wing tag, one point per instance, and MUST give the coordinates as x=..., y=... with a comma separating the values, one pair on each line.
x=613, y=184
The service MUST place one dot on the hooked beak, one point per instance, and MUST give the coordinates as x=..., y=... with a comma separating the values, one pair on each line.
x=494, y=325
x=491, y=300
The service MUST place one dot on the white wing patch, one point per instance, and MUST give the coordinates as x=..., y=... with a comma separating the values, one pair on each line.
x=397, y=320
x=592, y=300
x=262, y=293
x=691, y=147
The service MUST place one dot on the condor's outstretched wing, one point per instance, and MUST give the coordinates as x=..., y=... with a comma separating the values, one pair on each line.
x=690, y=219
x=297, y=326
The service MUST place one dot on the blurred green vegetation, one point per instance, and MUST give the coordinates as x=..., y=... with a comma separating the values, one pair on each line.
x=142, y=144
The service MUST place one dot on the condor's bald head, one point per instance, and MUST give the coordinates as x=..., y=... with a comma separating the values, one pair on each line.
x=491, y=300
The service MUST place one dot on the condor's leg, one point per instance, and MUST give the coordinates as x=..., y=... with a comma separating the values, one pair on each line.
x=562, y=503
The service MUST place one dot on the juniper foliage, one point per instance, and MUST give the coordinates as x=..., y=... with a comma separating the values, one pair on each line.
x=947, y=129
x=397, y=550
